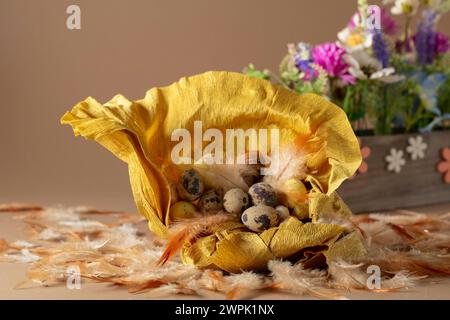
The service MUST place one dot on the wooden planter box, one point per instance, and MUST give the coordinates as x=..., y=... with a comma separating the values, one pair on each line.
x=418, y=183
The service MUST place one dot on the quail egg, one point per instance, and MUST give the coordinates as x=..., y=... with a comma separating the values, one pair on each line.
x=236, y=201
x=260, y=218
x=295, y=192
x=263, y=193
x=283, y=213
x=211, y=201
x=250, y=169
x=182, y=210
x=191, y=186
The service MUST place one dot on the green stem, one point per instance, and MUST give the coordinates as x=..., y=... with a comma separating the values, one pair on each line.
x=416, y=119
x=406, y=43
x=332, y=88
x=279, y=80
x=384, y=113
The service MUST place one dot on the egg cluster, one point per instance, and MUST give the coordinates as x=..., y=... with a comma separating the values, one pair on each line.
x=259, y=209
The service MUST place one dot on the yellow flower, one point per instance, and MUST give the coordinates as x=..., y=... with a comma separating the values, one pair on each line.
x=139, y=133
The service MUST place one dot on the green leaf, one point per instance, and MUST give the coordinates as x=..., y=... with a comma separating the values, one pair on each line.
x=252, y=72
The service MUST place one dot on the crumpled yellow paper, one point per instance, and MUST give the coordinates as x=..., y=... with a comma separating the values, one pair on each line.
x=139, y=133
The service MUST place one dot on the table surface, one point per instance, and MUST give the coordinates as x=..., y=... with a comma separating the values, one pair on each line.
x=12, y=274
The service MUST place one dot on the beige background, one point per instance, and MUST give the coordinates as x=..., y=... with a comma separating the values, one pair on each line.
x=123, y=47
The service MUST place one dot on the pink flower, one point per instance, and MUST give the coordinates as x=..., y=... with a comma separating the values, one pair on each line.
x=388, y=24
x=331, y=58
x=442, y=43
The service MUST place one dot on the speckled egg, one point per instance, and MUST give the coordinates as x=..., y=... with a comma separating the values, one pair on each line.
x=263, y=193
x=191, y=186
x=182, y=210
x=236, y=201
x=283, y=213
x=249, y=167
x=260, y=218
x=211, y=201
x=250, y=173
x=295, y=192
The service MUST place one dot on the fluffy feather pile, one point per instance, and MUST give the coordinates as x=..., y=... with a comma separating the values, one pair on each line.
x=115, y=247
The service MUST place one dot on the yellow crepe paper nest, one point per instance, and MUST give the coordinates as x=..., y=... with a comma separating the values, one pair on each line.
x=139, y=133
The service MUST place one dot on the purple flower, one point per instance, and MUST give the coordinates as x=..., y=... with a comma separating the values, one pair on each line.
x=380, y=48
x=425, y=38
x=305, y=66
x=331, y=58
x=441, y=43
x=388, y=24
x=303, y=60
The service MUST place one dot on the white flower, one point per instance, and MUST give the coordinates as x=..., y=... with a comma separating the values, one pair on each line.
x=304, y=51
x=417, y=147
x=387, y=75
x=360, y=60
x=355, y=39
x=395, y=160
x=406, y=7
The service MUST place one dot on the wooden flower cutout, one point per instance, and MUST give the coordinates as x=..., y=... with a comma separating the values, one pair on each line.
x=395, y=160
x=444, y=166
x=365, y=154
x=416, y=147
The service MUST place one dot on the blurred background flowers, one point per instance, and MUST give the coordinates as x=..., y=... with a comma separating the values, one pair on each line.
x=389, y=77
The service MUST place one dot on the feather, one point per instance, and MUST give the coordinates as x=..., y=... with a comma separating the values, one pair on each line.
x=402, y=279
x=3, y=245
x=409, y=241
x=191, y=230
x=407, y=246
x=376, y=233
x=297, y=280
x=167, y=290
x=150, y=285
x=347, y=276
x=245, y=281
x=24, y=255
x=285, y=172
x=19, y=207
x=288, y=164
x=212, y=280
x=421, y=263
x=354, y=276
x=221, y=176
x=243, y=173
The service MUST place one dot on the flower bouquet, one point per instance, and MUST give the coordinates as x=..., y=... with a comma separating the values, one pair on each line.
x=386, y=78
